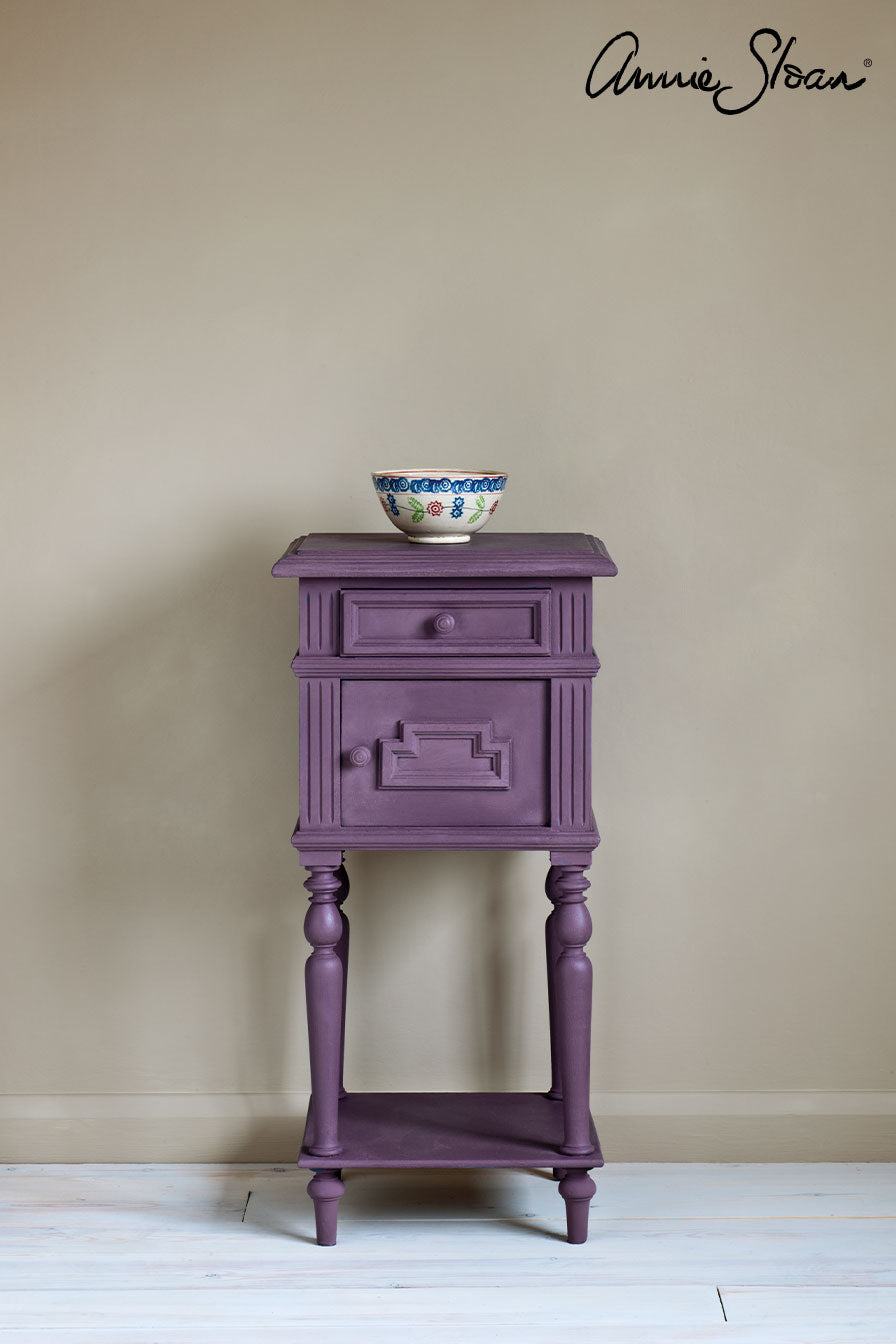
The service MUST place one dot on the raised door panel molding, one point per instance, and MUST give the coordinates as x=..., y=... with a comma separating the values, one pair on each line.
x=445, y=756
x=445, y=753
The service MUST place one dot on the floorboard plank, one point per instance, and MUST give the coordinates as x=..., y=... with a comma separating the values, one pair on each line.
x=521, y=1304
x=705, y=1191
x=812, y=1305
x=751, y=1252
x=383, y=1332
x=628, y=1190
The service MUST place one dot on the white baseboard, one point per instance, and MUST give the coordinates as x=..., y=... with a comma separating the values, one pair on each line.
x=633, y=1126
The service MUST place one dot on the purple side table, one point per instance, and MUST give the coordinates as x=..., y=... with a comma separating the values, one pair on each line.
x=445, y=703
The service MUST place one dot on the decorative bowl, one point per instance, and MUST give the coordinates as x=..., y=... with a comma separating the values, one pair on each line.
x=437, y=504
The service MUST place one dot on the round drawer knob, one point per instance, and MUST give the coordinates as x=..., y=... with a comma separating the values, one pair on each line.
x=359, y=755
x=444, y=623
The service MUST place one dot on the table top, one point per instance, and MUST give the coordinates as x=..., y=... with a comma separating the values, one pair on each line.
x=485, y=555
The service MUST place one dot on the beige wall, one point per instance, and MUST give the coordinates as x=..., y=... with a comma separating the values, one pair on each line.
x=251, y=250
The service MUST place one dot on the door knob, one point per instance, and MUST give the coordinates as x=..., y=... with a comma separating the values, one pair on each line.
x=359, y=755
x=444, y=623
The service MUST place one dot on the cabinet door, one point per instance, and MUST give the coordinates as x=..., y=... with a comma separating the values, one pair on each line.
x=448, y=753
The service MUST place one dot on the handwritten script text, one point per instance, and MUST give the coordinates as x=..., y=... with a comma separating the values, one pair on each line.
x=614, y=69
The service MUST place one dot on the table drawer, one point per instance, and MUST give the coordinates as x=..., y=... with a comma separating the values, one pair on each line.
x=451, y=621
x=449, y=753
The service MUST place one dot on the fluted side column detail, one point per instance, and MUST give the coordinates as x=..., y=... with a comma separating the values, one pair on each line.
x=571, y=928
x=324, y=981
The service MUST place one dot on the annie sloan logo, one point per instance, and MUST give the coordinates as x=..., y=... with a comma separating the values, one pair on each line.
x=615, y=69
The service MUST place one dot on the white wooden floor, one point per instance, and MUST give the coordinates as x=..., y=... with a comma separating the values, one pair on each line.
x=135, y=1254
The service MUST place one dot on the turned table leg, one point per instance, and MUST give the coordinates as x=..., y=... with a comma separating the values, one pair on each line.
x=324, y=988
x=552, y=953
x=326, y=1188
x=342, y=954
x=566, y=887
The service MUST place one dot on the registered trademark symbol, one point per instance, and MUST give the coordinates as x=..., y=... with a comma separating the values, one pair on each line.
x=867, y=62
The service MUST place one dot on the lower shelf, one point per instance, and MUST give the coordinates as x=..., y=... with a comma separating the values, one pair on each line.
x=449, y=1129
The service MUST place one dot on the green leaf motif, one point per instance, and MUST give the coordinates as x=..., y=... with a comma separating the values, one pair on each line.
x=481, y=502
x=474, y=517
x=417, y=507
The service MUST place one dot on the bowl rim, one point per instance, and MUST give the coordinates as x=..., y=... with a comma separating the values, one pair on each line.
x=437, y=473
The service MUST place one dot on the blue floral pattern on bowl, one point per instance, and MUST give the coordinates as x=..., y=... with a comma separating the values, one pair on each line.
x=441, y=485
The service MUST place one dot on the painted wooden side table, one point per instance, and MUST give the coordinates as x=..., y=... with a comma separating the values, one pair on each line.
x=445, y=703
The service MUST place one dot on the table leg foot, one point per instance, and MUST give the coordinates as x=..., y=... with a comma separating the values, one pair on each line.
x=577, y=1188
x=326, y=1189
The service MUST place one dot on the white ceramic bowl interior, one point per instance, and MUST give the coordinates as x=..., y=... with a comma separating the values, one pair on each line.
x=438, y=504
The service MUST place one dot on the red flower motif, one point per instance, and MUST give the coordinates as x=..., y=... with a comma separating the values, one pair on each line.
x=384, y=504
x=434, y=507
x=493, y=507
